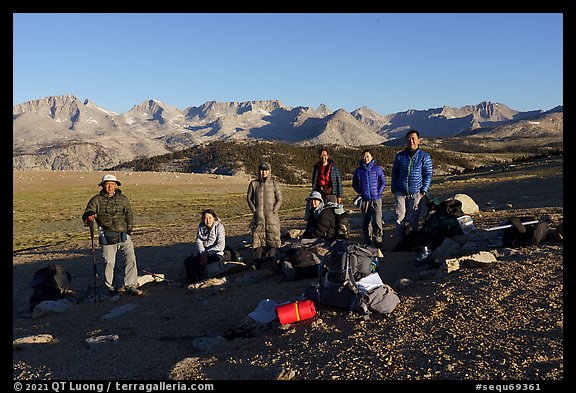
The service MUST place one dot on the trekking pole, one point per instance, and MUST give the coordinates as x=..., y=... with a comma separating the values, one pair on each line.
x=91, y=224
x=510, y=225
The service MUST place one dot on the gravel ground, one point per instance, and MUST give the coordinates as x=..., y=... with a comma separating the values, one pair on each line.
x=501, y=322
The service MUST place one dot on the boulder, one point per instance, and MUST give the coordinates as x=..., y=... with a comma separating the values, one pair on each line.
x=25, y=342
x=468, y=204
x=51, y=307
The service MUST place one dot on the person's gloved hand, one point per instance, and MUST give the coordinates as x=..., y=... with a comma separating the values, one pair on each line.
x=89, y=220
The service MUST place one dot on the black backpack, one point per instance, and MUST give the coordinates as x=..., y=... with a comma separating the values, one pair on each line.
x=49, y=283
x=230, y=255
x=304, y=262
x=342, y=225
x=519, y=235
x=341, y=267
x=441, y=222
x=341, y=222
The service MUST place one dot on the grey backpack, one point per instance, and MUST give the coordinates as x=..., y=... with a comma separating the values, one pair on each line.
x=342, y=266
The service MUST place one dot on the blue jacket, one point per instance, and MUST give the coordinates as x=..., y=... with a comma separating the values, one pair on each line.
x=411, y=174
x=369, y=181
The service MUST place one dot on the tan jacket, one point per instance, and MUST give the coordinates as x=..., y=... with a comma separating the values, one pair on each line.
x=264, y=199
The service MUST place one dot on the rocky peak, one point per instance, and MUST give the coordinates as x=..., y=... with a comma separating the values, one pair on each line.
x=154, y=110
x=323, y=110
x=484, y=111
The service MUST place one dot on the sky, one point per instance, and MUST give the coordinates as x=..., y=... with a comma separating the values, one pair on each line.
x=388, y=62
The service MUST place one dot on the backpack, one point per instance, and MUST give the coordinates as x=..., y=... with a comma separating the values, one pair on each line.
x=230, y=255
x=303, y=262
x=341, y=267
x=302, y=257
x=441, y=222
x=49, y=283
x=382, y=300
x=342, y=225
x=519, y=235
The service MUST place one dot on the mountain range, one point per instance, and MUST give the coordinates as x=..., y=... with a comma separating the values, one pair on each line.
x=65, y=133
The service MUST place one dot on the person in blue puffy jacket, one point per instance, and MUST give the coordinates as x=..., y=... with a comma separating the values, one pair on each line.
x=411, y=179
x=369, y=182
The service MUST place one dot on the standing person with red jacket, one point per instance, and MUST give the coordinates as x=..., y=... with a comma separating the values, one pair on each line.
x=369, y=182
x=326, y=178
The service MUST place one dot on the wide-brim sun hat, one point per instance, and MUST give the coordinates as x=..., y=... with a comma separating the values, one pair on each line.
x=106, y=178
x=314, y=195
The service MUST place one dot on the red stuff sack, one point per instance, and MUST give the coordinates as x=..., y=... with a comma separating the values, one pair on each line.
x=295, y=311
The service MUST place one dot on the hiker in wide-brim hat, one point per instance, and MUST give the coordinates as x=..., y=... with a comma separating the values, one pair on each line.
x=115, y=219
x=110, y=178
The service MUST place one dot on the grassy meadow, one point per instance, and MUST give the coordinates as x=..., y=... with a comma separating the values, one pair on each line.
x=48, y=205
x=47, y=215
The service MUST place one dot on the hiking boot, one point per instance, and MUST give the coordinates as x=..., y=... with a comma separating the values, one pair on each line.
x=515, y=221
x=273, y=265
x=133, y=291
x=255, y=264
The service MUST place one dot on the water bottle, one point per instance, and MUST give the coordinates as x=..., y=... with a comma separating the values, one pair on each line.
x=374, y=265
x=421, y=255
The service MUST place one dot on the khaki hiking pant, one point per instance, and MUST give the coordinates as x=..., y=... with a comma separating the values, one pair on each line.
x=407, y=212
x=126, y=249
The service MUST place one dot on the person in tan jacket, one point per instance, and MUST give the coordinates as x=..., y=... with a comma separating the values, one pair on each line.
x=264, y=198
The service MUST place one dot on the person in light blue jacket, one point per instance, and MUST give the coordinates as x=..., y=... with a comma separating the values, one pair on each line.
x=411, y=179
x=209, y=246
x=369, y=181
